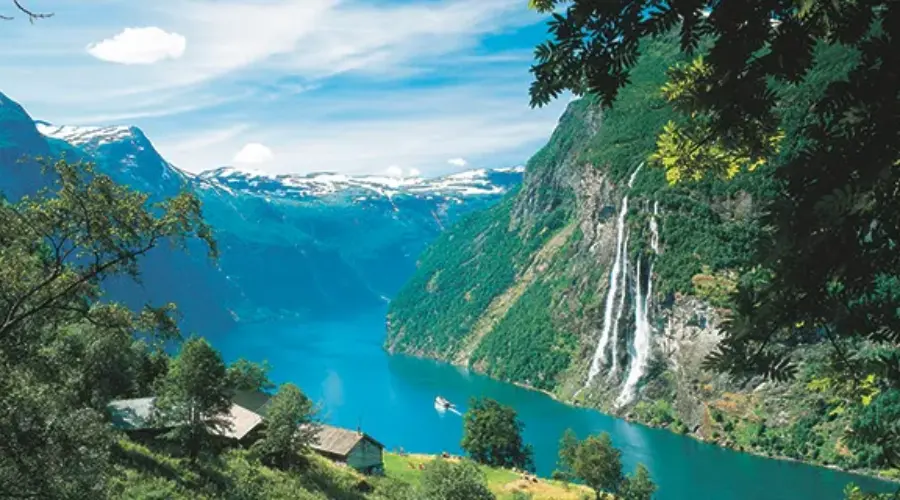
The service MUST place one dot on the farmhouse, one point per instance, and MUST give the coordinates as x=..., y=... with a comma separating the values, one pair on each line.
x=353, y=448
x=247, y=417
x=134, y=416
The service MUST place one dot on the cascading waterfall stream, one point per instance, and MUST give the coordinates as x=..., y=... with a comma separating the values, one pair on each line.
x=642, y=328
x=619, y=312
x=618, y=270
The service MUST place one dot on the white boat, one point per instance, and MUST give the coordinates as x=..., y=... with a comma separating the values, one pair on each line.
x=440, y=402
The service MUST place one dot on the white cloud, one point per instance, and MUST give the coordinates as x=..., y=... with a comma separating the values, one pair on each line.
x=365, y=130
x=139, y=46
x=414, y=172
x=458, y=162
x=278, y=74
x=394, y=171
x=254, y=152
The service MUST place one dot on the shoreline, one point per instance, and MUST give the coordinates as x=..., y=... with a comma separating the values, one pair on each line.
x=857, y=472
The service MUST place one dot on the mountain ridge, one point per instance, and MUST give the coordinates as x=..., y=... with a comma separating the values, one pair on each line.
x=285, y=251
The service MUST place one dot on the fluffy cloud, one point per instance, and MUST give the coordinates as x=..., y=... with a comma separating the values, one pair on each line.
x=458, y=162
x=254, y=152
x=394, y=171
x=414, y=172
x=139, y=46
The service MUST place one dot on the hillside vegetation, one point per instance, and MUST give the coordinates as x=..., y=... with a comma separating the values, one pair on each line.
x=519, y=291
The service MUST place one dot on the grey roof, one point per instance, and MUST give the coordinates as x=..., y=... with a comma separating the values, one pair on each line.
x=338, y=441
x=242, y=422
x=255, y=401
x=135, y=414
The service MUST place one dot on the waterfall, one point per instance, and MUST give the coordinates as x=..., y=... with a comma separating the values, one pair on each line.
x=642, y=328
x=600, y=352
x=619, y=311
x=618, y=270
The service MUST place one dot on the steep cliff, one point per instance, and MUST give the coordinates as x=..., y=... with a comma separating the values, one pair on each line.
x=601, y=283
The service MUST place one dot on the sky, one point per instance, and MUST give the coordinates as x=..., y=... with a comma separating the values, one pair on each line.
x=402, y=87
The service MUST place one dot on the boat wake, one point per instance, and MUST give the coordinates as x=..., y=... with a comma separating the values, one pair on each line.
x=443, y=406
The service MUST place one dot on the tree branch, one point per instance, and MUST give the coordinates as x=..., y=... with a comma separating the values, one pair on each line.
x=31, y=14
x=11, y=321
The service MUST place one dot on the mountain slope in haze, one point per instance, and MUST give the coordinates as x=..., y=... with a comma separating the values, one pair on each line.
x=602, y=284
x=293, y=243
x=299, y=246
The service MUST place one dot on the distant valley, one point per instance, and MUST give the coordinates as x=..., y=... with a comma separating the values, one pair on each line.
x=290, y=244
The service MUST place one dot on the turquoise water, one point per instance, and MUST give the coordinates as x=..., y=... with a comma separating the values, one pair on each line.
x=341, y=365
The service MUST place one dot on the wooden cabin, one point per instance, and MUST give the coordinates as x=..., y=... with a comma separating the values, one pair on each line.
x=134, y=417
x=356, y=449
x=247, y=415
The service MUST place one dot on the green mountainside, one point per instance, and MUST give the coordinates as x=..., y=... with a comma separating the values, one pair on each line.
x=520, y=292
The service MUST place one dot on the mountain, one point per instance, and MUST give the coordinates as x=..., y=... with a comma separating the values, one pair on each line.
x=124, y=153
x=456, y=187
x=290, y=245
x=603, y=284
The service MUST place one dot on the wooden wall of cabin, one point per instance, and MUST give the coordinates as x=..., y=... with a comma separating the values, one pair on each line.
x=366, y=456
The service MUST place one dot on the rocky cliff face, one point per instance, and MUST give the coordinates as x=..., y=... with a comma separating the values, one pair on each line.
x=583, y=283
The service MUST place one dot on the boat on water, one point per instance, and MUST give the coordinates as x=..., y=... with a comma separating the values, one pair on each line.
x=440, y=402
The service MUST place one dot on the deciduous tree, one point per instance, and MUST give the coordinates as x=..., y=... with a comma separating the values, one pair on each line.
x=290, y=427
x=492, y=434
x=195, y=397
x=638, y=486
x=599, y=464
x=245, y=375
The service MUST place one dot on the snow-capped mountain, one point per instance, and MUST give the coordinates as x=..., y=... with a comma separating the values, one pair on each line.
x=312, y=245
x=469, y=183
x=128, y=151
x=126, y=154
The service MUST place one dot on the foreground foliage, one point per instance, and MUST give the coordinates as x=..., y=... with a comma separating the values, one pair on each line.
x=63, y=353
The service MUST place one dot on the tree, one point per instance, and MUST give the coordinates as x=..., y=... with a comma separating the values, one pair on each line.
x=492, y=434
x=290, y=427
x=61, y=350
x=195, y=397
x=828, y=269
x=638, y=486
x=32, y=16
x=568, y=447
x=245, y=375
x=599, y=464
x=446, y=480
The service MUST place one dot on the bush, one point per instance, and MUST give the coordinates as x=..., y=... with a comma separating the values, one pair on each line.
x=446, y=480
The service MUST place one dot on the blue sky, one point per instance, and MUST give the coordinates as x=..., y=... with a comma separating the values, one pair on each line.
x=354, y=86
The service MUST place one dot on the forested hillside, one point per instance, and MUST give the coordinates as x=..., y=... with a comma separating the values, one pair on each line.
x=603, y=283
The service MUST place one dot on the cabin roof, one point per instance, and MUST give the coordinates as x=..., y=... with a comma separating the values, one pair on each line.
x=338, y=441
x=255, y=401
x=135, y=414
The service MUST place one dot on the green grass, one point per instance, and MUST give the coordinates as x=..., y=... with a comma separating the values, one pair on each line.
x=145, y=473
x=502, y=482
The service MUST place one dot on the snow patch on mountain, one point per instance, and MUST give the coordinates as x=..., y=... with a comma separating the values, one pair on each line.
x=468, y=183
x=78, y=135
